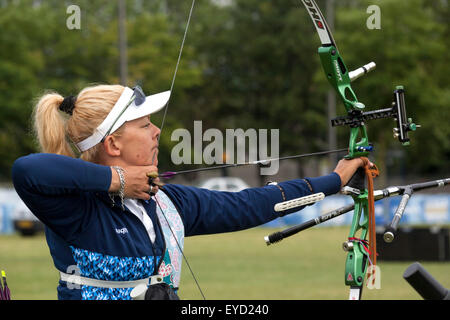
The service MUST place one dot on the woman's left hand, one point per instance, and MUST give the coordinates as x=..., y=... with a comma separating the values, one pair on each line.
x=347, y=168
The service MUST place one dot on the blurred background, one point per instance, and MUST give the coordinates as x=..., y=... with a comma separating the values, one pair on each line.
x=245, y=64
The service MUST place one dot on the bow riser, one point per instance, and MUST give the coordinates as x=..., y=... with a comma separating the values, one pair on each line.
x=357, y=257
x=338, y=76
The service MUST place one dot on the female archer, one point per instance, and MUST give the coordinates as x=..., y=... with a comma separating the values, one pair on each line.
x=109, y=228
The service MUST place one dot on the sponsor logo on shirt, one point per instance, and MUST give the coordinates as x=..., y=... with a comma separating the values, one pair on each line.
x=122, y=231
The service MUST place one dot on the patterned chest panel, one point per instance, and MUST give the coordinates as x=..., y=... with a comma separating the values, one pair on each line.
x=170, y=268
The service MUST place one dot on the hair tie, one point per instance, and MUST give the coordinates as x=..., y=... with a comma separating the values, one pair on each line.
x=68, y=104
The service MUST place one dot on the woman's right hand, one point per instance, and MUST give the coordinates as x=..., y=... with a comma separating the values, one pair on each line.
x=136, y=182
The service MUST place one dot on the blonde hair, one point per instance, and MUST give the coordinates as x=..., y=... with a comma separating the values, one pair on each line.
x=55, y=129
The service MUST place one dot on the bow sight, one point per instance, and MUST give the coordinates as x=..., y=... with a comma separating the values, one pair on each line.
x=356, y=118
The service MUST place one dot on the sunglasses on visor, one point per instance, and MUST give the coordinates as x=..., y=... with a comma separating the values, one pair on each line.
x=138, y=97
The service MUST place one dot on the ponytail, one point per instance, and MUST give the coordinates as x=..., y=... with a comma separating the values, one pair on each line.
x=49, y=125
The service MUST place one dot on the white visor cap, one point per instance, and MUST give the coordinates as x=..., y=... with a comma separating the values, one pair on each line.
x=152, y=104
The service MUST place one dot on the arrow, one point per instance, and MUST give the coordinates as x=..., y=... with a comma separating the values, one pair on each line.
x=171, y=174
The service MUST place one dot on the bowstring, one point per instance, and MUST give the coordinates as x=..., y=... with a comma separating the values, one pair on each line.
x=159, y=137
x=176, y=67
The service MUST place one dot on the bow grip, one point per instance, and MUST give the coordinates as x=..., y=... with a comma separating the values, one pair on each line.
x=358, y=180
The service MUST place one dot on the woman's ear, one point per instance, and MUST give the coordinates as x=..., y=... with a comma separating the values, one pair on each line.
x=112, y=146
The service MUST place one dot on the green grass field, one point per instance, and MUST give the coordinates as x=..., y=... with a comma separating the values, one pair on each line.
x=237, y=265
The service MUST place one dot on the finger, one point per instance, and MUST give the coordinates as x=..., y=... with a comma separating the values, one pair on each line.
x=144, y=196
x=153, y=179
x=151, y=189
x=154, y=189
x=156, y=182
x=362, y=161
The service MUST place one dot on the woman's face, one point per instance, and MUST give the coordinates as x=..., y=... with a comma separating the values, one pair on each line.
x=139, y=142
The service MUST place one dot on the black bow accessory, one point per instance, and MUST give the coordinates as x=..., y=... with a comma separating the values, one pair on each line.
x=160, y=291
x=68, y=104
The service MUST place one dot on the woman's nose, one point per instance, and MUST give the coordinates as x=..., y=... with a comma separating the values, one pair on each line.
x=157, y=131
